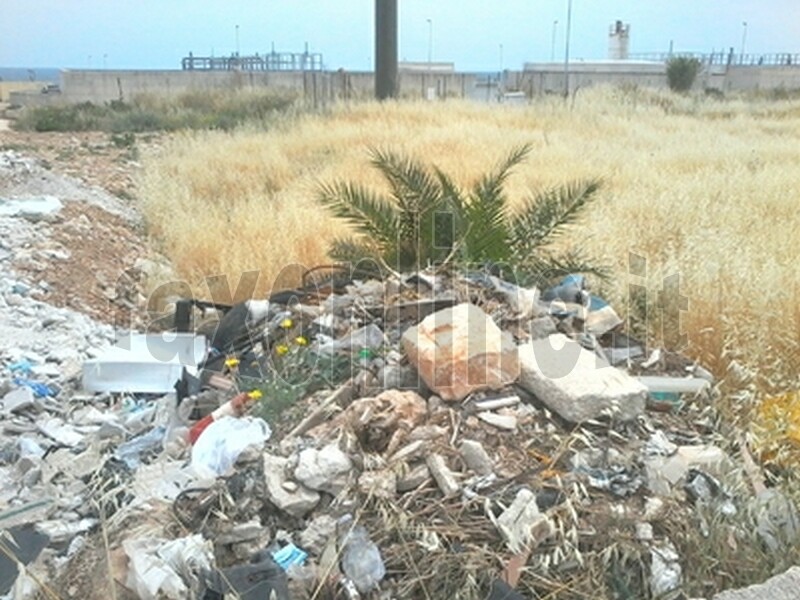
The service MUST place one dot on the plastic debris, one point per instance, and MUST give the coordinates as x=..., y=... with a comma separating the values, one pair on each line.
x=289, y=555
x=361, y=560
x=225, y=439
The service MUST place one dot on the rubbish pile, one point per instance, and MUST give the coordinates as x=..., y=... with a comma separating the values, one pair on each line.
x=430, y=435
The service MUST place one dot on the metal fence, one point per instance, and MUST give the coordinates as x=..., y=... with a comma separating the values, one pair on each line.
x=272, y=61
x=729, y=58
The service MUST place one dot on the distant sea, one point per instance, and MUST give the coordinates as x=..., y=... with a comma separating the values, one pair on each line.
x=23, y=74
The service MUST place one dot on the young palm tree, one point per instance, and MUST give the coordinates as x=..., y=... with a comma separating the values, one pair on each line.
x=427, y=218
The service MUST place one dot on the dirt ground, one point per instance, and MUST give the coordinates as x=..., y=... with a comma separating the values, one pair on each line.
x=87, y=259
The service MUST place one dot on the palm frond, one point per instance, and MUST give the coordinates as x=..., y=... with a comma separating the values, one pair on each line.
x=352, y=251
x=491, y=184
x=366, y=211
x=544, y=217
x=413, y=186
x=486, y=210
x=422, y=236
x=455, y=204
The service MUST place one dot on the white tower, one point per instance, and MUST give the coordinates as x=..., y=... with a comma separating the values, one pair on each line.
x=618, y=41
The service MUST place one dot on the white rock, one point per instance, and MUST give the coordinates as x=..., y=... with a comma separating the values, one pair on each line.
x=323, y=470
x=475, y=457
x=297, y=503
x=781, y=587
x=578, y=384
x=18, y=400
x=381, y=484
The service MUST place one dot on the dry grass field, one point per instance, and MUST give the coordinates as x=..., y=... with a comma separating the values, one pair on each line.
x=707, y=189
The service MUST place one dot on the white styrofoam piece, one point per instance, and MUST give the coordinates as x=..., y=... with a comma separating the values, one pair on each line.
x=144, y=363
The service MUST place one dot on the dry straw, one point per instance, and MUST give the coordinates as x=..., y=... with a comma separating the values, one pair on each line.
x=704, y=188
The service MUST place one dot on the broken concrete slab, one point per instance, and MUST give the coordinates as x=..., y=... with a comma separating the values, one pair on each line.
x=577, y=384
x=460, y=350
x=295, y=499
x=244, y=532
x=324, y=470
x=785, y=586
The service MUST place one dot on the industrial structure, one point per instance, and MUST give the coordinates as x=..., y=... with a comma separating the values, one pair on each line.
x=304, y=74
x=618, y=41
x=271, y=61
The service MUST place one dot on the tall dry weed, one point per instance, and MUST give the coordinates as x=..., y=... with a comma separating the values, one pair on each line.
x=699, y=187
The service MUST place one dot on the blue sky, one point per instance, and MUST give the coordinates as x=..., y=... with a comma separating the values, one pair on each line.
x=157, y=33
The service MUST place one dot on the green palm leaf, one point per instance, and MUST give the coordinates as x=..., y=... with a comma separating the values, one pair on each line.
x=487, y=237
x=544, y=217
x=366, y=211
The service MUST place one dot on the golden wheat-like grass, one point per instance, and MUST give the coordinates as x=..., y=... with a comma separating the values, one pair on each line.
x=705, y=188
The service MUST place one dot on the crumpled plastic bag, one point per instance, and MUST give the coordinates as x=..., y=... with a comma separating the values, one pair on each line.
x=225, y=439
x=171, y=569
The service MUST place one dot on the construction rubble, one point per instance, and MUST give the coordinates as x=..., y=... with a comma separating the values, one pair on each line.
x=427, y=435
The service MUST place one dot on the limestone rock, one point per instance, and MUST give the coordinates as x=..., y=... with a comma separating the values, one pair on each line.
x=475, y=457
x=323, y=470
x=578, y=384
x=297, y=501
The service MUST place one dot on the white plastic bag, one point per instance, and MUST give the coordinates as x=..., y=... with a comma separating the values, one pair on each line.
x=225, y=439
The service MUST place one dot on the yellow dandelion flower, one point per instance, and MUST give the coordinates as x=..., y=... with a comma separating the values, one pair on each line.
x=231, y=362
x=255, y=394
x=301, y=341
x=286, y=323
x=281, y=349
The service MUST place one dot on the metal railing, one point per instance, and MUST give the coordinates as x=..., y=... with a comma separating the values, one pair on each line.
x=272, y=61
x=729, y=58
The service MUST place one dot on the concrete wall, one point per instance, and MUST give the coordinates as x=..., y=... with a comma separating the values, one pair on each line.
x=322, y=87
x=543, y=78
x=549, y=77
x=104, y=86
x=9, y=87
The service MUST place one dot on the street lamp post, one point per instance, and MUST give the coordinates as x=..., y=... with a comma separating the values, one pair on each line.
x=553, y=42
x=744, y=39
x=430, y=43
x=237, y=41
